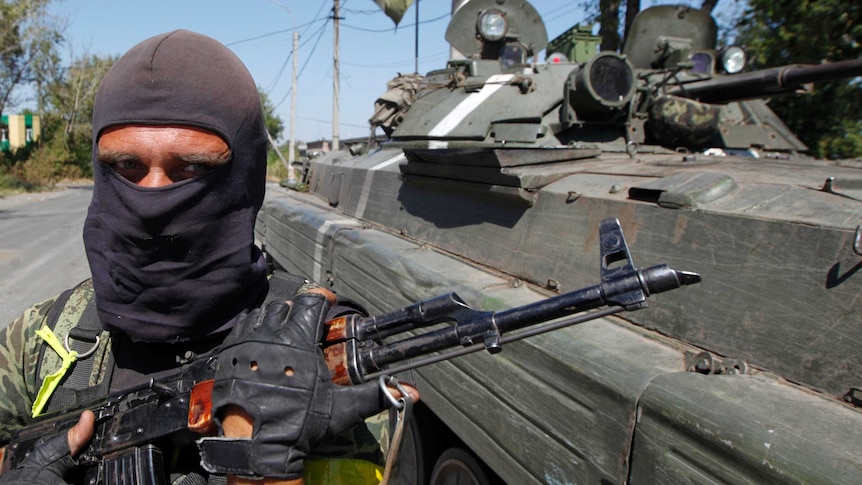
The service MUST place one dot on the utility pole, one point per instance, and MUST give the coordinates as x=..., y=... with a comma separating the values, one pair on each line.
x=335, y=19
x=290, y=154
x=416, y=43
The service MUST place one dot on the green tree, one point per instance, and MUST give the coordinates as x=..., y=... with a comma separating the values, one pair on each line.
x=778, y=32
x=67, y=97
x=274, y=124
x=275, y=127
x=28, y=34
x=609, y=20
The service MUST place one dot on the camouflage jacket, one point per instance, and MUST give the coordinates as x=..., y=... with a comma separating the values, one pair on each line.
x=19, y=355
x=20, y=351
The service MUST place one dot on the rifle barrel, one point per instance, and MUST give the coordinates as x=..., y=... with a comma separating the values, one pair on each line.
x=487, y=327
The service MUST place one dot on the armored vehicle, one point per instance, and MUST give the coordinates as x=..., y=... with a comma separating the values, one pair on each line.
x=493, y=179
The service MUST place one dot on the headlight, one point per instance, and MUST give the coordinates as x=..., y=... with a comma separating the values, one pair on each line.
x=732, y=59
x=492, y=25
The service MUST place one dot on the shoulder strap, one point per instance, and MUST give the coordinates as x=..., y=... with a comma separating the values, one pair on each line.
x=88, y=328
x=81, y=331
x=51, y=321
x=84, y=339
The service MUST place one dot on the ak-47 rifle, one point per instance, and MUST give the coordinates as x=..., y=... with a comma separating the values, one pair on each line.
x=132, y=427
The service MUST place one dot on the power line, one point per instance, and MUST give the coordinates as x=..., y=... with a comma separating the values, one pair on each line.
x=362, y=12
x=317, y=18
x=286, y=60
x=393, y=29
x=279, y=73
x=310, y=55
x=359, y=12
x=270, y=34
x=551, y=13
x=330, y=122
x=435, y=57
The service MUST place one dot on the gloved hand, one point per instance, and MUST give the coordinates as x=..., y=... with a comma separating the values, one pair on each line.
x=49, y=461
x=272, y=366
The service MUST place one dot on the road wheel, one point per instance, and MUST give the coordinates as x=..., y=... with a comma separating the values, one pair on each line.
x=457, y=466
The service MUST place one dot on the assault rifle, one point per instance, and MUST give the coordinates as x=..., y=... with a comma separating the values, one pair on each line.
x=134, y=426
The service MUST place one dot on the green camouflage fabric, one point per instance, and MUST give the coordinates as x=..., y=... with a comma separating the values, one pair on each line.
x=679, y=122
x=19, y=354
x=390, y=107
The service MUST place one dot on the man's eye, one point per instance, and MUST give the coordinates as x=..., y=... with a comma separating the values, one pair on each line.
x=124, y=165
x=127, y=165
x=197, y=168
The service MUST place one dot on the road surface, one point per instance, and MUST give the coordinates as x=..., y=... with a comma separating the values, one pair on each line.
x=41, y=247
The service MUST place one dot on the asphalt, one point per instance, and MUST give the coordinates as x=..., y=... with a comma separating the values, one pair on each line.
x=41, y=247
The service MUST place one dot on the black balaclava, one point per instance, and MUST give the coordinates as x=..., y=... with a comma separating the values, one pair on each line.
x=178, y=263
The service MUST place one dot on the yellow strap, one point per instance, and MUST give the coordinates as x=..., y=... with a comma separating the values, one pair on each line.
x=52, y=381
x=341, y=471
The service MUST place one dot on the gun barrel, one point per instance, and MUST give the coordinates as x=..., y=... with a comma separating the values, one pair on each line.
x=767, y=82
x=427, y=312
x=486, y=327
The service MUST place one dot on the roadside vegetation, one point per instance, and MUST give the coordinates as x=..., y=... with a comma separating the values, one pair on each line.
x=33, y=73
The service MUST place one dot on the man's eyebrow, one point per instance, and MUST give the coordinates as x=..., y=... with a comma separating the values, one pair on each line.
x=114, y=156
x=206, y=158
x=215, y=159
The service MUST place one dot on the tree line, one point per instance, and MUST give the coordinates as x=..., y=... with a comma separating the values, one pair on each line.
x=774, y=32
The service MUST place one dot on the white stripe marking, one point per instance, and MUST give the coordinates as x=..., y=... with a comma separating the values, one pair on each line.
x=366, y=184
x=319, y=245
x=465, y=107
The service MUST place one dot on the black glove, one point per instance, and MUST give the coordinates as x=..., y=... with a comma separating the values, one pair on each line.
x=272, y=366
x=46, y=464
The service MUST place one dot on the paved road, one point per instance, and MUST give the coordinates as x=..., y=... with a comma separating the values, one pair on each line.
x=41, y=250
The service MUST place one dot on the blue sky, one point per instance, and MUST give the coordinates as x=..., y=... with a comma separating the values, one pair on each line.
x=372, y=51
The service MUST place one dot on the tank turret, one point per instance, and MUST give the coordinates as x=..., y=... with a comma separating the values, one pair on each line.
x=671, y=87
x=691, y=90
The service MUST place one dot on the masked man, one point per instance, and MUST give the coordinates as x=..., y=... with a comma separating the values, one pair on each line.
x=179, y=161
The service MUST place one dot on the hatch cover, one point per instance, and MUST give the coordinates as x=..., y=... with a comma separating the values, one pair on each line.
x=684, y=190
